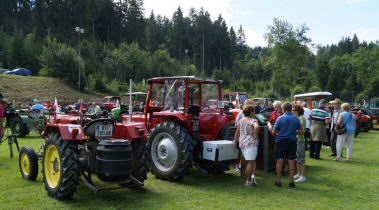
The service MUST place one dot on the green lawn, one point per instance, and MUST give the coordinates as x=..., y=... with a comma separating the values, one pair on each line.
x=330, y=185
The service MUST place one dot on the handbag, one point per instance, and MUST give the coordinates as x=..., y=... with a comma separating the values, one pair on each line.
x=341, y=128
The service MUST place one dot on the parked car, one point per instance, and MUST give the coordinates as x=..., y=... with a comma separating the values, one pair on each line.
x=22, y=72
x=2, y=71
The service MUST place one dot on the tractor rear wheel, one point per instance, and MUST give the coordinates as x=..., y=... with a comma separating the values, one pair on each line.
x=170, y=151
x=28, y=163
x=18, y=127
x=60, y=167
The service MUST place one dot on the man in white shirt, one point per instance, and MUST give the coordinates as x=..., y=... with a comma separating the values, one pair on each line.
x=307, y=132
x=333, y=133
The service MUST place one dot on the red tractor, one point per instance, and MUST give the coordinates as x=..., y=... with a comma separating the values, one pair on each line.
x=185, y=116
x=76, y=148
x=110, y=102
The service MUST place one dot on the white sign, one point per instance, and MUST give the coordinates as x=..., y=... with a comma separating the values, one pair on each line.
x=103, y=130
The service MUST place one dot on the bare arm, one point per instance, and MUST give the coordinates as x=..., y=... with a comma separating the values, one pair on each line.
x=300, y=132
x=269, y=126
x=274, y=132
x=256, y=128
x=236, y=135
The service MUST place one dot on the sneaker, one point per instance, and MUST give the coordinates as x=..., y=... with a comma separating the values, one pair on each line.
x=291, y=184
x=238, y=170
x=301, y=179
x=247, y=183
x=296, y=176
x=278, y=183
x=254, y=182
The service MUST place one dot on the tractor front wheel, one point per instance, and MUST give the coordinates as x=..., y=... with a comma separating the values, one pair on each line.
x=170, y=151
x=28, y=163
x=60, y=167
x=140, y=161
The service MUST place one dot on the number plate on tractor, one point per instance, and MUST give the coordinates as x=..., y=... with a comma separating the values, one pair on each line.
x=103, y=130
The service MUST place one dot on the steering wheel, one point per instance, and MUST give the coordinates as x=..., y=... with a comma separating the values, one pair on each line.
x=34, y=114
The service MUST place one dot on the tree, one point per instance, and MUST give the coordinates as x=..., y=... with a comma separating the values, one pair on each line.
x=289, y=55
x=135, y=22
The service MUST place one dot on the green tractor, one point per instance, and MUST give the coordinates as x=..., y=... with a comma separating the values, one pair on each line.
x=23, y=122
x=136, y=99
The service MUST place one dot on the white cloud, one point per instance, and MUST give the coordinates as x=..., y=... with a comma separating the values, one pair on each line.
x=254, y=38
x=214, y=7
x=366, y=33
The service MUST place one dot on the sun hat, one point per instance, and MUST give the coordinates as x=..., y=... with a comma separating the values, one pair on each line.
x=336, y=101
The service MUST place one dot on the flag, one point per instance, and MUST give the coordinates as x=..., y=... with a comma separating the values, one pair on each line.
x=56, y=106
x=237, y=101
x=57, y=109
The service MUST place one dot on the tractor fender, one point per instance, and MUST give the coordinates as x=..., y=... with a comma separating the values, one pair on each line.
x=24, y=118
x=129, y=131
x=66, y=131
x=365, y=118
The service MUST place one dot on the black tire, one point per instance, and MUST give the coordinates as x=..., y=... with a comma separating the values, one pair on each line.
x=68, y=168
x=140, y=161
x=183, y=146
x=28, y=163
x=18, y=127
x=211, y=166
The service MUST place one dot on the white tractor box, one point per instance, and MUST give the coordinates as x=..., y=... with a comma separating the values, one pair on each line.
x=219, y=150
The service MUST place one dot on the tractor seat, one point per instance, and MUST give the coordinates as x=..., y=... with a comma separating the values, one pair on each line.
x=34, y=114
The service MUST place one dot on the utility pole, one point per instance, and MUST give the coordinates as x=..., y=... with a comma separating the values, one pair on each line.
x=220, y=59
x=185, y=62
x=79, y=31
x=203, y=54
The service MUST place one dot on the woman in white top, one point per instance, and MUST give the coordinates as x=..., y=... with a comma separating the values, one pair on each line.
x=247, y=136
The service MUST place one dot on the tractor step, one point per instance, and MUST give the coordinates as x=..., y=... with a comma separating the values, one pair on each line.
x=88, y=183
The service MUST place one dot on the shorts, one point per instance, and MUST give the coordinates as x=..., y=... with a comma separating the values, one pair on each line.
x=285, y=149
x=300, y=152
x=250, y=153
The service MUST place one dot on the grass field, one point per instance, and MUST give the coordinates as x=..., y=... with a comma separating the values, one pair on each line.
x=330, y=185
x=11, y=86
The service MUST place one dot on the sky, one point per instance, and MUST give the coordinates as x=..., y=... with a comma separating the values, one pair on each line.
x=328, y=20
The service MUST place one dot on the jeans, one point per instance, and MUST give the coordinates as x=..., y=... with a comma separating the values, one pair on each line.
x=315, y=148
x=333, y=142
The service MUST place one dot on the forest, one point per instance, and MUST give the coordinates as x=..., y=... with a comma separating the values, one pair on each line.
x=117, y=43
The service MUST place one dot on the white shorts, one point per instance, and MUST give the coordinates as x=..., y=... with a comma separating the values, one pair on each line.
x=250, y=153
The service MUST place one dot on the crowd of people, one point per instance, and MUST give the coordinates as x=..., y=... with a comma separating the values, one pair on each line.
x=294, y=125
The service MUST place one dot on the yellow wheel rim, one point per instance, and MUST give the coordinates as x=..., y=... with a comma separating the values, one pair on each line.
x=52, y=166
x=25, y=164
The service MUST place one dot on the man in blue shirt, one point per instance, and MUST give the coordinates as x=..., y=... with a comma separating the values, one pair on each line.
x=286, y=128
x=37, y=106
